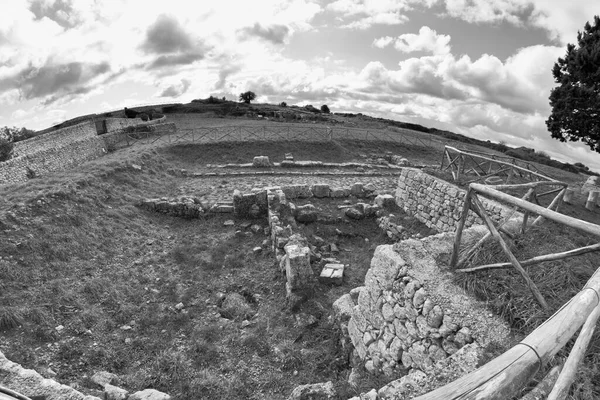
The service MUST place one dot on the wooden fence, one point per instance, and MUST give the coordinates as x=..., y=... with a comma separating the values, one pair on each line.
x=489, y=167
x=505, y=376
x=290, y=133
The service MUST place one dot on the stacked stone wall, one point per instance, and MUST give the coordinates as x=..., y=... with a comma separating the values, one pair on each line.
x=410, y=316
x=63, y=149
x=22, y=168
x=437, y=203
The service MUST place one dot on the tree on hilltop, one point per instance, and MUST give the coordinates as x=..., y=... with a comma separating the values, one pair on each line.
x=325, y=109
x=575, y=101
x=247, y=97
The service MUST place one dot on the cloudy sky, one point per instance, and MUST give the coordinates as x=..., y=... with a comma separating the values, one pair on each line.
x=477, y=67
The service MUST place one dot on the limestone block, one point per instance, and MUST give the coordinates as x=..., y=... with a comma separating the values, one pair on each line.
x=339, y=192
x=385, y=200
x=342, y=307
x=316, y=391
x=115, y=393
x=298, y=271
x=320, y=190
x=332, y=273
x=261, y=162
x=149, y=394
x=357, y=190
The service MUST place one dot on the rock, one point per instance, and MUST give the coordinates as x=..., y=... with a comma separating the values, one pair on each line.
x=256, y=228
x=354, y=213
x=257, y=250
x=385, y=200
x=592, y=184
x=236, y=307
x=315, y=391
x=229, y=222
x=357, y=190
x=435, y=317
x=342, y=307
x=297, y=266
x=304, y=320
x=115, y=393
x=254, y=211
x=319, y=241
x=332, y=273
x=306, y=214
x=419, y=298
x=339, y=192
x=149, y=394
x=179, y=306
x=261, y=162
x=370, y=187
x=103, y=378
x=320, y=190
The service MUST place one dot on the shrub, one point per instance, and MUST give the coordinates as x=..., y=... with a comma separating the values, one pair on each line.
x=6, y=149
x=143, y=116
x=325, y=109
x=283, y=104
x=30, y=173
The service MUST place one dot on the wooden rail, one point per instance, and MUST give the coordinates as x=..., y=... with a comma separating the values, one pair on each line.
x=503, y=377
x=485, y=166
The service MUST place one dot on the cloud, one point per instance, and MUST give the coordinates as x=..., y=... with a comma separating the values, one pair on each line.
x=55, y=79
x=59, y=11
x=177, y=89
x=367, y=13
x=427, y=40
x=383, y=42
x=174, y=60
x=224, y=73
x=275, y=34
x=166, y=36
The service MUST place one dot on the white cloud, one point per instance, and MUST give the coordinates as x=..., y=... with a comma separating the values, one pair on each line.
x=367, y=13
x=426, y=40
x=383, y=42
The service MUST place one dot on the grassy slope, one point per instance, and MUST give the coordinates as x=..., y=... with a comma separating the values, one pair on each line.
x=77, y=253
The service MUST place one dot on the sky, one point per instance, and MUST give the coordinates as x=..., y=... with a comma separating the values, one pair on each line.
x=477, y=67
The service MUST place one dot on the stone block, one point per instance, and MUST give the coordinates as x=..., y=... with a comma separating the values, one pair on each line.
x=298, y=271
x=320, y=190
x=261, y=162
x=332, y=273
x=339, y=192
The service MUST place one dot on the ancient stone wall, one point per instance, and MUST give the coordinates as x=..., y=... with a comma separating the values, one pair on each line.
x=51, y=159
x=410, y=315
x=63, y=149
x=437, y=203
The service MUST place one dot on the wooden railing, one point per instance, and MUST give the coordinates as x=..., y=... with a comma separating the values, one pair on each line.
x=506, y=375
x=489, y=167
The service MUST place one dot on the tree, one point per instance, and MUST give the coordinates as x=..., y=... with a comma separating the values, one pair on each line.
x=283, y=104
x=325, y=109
x=575, y=101
x=247, y=97
x=6, y=149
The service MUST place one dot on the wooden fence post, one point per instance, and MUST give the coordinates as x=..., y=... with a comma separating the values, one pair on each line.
x=480, y=210
x=459, y=229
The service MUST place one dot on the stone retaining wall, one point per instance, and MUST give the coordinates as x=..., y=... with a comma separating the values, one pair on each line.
x=60, y=150
x=51, y=159
x=410, y=315
x=437, y=203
